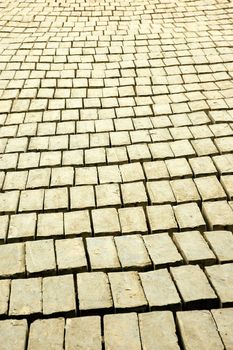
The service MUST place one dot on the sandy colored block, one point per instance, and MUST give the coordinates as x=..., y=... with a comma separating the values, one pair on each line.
x=40, y=257
x=185, y=191
x=47, y=334
x=134, y=194
x=160, y=290
x=156, y=170
x=162, y=250
x=221, y=278
x=82, y=197
x=77, y=223
x=178, y=167
x=4, y=296
x=127, y=291
x=13, y=334
x=158, y=331
x=105, y=221
x=93, y=292
x=58, y=295
x=219, y=215
x=210, y=188
x=194, y=287
x=198, y=330
x=102, y=254
x=83, y=333
x=22, y=227
x=121, y=332
x=12, y=262
x=132, y=220
x=70, y=254
x=194, y=248
x=161, y=218
x=227, y=183
x=9, y=201
x=4, y=220
x=132, y=252
x=221, y=242
x=189, y=217
x=50, y=225
x=26, y=297
x=31, y=200
x=224, y=321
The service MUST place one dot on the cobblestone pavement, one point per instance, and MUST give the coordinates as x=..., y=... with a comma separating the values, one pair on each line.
x=116, y=175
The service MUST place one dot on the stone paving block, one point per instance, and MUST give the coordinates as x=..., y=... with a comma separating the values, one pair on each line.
x=178, y=168
x=221, y=242
x=105, y=222
x=31, y=200
x=194, y=248
x=56, y=198
x=161, y=218
x=210, y=188
x=46, y=334
x=4, y=221
x=38, y=178
x=193, y=286
x=108, y=195
x=132, y=220
x=182, y=148
x=4, y=296
x=58, y=295
x=221, y=278
x=227, y=184
x=15, y=180
x=77, y=223
x=203, y=166
x=13, y=334
x=22, y=227
x=160, y=290
x=26, y=297
x=70, y=254
x=219, y=215
x=131, y=172
x=134, y=194
x=156, y=170
x=185, y=191
x=82, y=197
x=102, y=254
x=223, y=163
x=109, y=174
x=83, y=333
x=100, y=298
x=50, y=225
x=40, y=257
x=224, y=321
x=12, y=262
x=62, y=176
x=162, y=250
x=132, y=252
x=198, y=331
x=158, y=331
x=121, y=332
x=189, y=217
x=86, y=176
x=9, y=202
x=127, y=291
x=160, y=192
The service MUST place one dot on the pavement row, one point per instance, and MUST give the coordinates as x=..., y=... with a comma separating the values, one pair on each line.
x=198, y=330
x=119, y=253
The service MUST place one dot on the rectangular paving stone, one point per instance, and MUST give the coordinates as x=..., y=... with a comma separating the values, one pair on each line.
x=132, y=220
x=9, y=202
x=132, y=252
x=161, y=218
x=224, y=321
x=22, y=227
x=193, y=286
x=121, y=332
x=77, y=223
x=82, y=197
x=4, y=220
x=102, y=254
x=160, y=192
x=185, y=191
x=4, y=296
x=134, y=194
x=210, y=188
x=108, y=195
x=56, y=198
x=50, y=225
x=94, y=293
x=221, y=242
x=58, y=295
x=162, y=250
x=40, y=257
x=219, y=215
x=198, y=331
x=26, y=297
x=158, y=330
x=12, y=262
x=83, y=333
x=13, y=334
x=160, y=290
x=31, y=200
x=221, y=278
x=194, y=248
x=189, y=217
x=70, y=254
x=105, y=221
x=46, y=334
x=127, y=291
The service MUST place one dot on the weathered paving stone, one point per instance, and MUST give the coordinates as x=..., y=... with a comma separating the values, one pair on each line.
x=58, y=295
x=224, y=321
x=105, y=221
x=194, y=248
x=70, y=254
x=221, y=278
x=127, y=291
x=132, y=252
x=108, y=195
x=134, y=194
x=102, y=254
x=99, y=299
x=83, y=333
x=4, y=296
x=221, y=242
x=77, y=223
x=160, y=290
x=198, y=331
x=4, y=220
x=121, y=332
x=162, y=250
x=26, y=297
x=194, y=288
x=82, y=197
x=161, y=218
x=31, y=200
x=9, y=202
x=210, y=188
x=13, y=334
x=12, y=262
x=46, y=334
x=132, y=220
x=50, y=225
x=160, y=192
x=219, y=215
x=185, y=191
x=189, y=217
x=40, y=257
x=158, y=331
x=22, y=227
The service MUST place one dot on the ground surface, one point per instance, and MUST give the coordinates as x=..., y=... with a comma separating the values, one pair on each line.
x=116, y=175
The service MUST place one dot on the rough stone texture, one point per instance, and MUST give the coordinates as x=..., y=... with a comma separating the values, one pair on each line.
x=13, y=334
x=40, y=257
x=221, y=242
x=71, y=255
x=12, y=262
x=224, y=322
x=4, y=296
